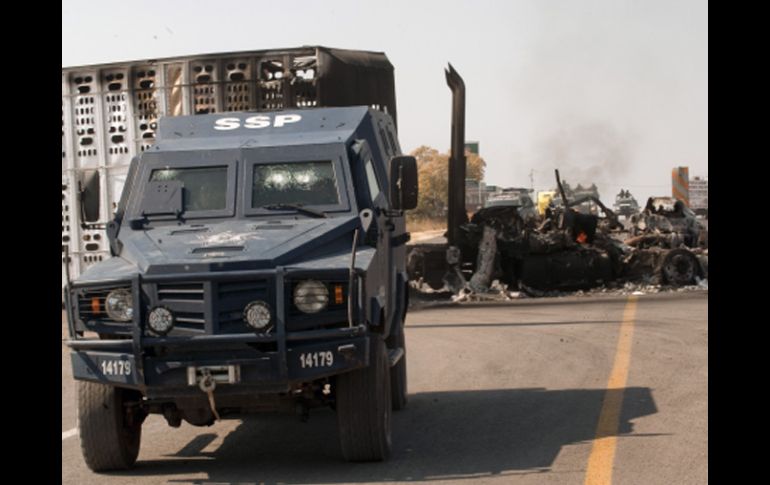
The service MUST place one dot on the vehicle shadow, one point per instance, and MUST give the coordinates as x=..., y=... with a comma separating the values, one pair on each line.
x=440, y=435
x=517, y=324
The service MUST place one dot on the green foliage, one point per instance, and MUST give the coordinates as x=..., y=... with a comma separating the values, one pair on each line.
x=433, y=172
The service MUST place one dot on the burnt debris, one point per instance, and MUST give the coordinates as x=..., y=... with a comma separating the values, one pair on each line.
x=568, y=249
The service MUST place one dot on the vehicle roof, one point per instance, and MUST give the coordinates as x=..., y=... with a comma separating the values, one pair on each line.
x=316, y=126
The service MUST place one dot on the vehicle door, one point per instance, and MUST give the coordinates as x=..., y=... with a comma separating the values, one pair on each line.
x=381, y=229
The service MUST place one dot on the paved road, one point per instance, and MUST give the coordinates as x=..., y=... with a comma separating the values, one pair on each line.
x=512, y=393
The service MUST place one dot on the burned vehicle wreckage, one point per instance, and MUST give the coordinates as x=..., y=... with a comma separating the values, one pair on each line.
x=567, y=250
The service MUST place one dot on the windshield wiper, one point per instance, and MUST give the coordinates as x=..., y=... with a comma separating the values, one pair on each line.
x=146, y=217
x=296, y=207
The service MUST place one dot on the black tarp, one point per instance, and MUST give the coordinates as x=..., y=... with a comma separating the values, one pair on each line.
x=356, y=78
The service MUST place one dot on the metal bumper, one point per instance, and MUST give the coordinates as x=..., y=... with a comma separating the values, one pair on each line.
x=298, y=357
x=265, y=371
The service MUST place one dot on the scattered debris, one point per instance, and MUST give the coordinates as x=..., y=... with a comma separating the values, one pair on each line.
x=495, y=292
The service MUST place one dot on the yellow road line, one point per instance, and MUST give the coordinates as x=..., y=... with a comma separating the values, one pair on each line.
x=599, y=471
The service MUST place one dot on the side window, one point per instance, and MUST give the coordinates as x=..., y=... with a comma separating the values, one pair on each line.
x=371, y=179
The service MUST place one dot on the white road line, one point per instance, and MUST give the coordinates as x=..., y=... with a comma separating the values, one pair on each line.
x=69, y=433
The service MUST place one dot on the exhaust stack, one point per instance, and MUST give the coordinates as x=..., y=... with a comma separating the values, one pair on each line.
x=456, y=197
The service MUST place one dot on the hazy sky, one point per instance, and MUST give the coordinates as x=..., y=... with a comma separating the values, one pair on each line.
x=609, y=91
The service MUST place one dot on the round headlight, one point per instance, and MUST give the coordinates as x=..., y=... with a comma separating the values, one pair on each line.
x=119, y=305
x=311, y=296
x=160, y=320
x=257, y=314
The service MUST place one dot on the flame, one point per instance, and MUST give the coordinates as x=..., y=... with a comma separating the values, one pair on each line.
x=581, y=237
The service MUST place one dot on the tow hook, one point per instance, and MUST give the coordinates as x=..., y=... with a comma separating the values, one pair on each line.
x=207, y=384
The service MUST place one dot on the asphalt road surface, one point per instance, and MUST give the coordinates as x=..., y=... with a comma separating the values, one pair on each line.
x=569, y=390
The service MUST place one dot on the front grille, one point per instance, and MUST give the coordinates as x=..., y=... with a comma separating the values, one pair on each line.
x=187, y=302
x=215, y=307
x=189, y=292
x=221, y=302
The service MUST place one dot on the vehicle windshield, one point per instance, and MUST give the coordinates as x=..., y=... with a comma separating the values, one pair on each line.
x=296, y=183
x=205, y=188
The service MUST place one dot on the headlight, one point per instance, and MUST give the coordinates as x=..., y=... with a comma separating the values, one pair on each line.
x=311, y=296
x=160, y=320
x=119, y=305
x=257, y=314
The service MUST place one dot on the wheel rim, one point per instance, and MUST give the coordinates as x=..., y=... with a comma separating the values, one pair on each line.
x=680, y=269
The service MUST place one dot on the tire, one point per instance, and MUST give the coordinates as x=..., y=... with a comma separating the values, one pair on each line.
x=107, y=439
x=680, y=267
x=364, y=408
x=398, y=384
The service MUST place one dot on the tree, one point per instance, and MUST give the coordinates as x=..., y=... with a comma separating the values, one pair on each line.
x=433, y=174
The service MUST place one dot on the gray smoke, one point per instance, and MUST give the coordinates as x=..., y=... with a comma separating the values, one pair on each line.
x=585, y=152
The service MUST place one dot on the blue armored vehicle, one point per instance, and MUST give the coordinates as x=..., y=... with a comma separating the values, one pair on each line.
x=258, y=264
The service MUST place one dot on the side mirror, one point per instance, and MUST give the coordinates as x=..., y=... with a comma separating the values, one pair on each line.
x=403, y=183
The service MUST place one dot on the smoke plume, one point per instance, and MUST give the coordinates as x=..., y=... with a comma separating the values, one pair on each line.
x=585, y=152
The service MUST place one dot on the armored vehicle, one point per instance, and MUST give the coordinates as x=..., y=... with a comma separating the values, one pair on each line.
x=588, y=206
x=257, y=264
x=625, y=204
x=518, y=198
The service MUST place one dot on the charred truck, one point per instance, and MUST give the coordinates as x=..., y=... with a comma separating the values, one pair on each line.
x=257, y=264
x=572, y=248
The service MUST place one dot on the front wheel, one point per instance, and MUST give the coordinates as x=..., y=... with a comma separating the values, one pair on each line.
x=109, y=433
x=364, y=407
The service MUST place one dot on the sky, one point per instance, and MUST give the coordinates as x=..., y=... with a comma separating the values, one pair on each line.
x=613, y=92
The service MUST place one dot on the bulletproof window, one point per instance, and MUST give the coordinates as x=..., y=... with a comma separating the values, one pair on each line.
x=303, y=183
x=371, y=179
x=204, y=188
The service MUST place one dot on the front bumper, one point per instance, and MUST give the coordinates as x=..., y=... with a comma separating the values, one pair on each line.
x=264, y=372
x=160, y=366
